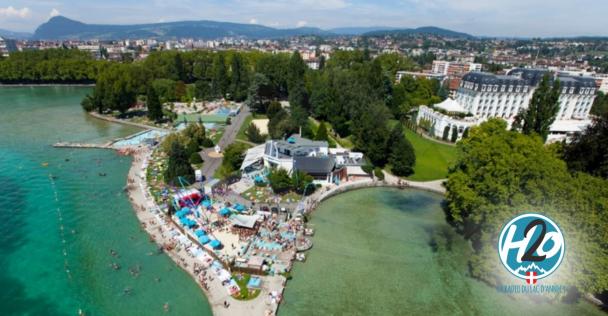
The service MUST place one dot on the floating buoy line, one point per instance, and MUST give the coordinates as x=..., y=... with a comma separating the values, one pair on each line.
x=66, y=264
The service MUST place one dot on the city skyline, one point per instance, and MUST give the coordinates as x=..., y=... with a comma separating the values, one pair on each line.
x=532, y=18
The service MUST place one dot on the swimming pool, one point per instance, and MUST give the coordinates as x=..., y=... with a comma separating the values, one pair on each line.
x=140, y=138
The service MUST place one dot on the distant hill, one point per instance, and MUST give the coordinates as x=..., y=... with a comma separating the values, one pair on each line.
x=360, y=30
x=14, y=35
x=60, y=27
x=432, y=30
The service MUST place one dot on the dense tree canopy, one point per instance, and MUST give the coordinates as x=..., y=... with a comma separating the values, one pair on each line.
x=588, y=151
x=50, y=66
x=500, y=174
x=178, y=164
x=155, y=108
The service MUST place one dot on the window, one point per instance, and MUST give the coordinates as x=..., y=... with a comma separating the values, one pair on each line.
x=503, y=88
x=483, y=87
x=510, y=88
x=564, y=90
x=517, y=89
x=525, y=89
x=495, y=88
x=571, y=90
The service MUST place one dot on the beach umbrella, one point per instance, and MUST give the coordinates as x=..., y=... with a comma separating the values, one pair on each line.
x=215, y=243
x=225, y=211
x=203, y=239
x=200, y=232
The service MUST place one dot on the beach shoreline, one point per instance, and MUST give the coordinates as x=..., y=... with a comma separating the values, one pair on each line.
x=215, y=292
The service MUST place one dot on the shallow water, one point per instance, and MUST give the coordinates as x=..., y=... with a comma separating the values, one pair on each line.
x=391, y=252
x=59, y=222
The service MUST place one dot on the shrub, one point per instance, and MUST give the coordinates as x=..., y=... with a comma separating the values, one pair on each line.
x=195, y=158
x=378, y=173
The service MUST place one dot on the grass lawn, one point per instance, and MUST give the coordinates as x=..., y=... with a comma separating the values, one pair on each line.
x=265, y=195
x=218, y=135
x=432, y=158
x=242, y=279
x=241, y=134
x=206, y=118
x=344, y=142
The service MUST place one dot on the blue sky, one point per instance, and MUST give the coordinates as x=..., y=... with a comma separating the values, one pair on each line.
x=478, y=17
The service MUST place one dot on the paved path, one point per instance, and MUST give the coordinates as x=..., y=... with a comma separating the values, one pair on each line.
x=119, y=121
x=212, y=163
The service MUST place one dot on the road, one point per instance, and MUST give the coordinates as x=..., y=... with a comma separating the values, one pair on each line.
x=210, y=163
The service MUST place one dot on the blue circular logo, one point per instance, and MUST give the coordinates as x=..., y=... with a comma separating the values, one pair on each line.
x=531, y=246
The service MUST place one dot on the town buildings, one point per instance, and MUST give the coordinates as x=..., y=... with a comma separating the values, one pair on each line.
x=7, y=46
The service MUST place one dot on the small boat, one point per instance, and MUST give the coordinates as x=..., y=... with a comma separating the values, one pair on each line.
x=45, y=164
x=309, y=232
x=102, y=174
x=300, y=257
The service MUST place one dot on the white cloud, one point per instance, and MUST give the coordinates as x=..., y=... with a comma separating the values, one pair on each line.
x=253, y=21
x=11, y=12
x=54, y=12
x=301, y=23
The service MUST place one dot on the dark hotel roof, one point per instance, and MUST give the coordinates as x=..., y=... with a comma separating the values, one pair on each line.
x=314, y=165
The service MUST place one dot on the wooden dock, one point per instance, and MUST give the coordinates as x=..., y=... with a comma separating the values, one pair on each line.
x=107, y=145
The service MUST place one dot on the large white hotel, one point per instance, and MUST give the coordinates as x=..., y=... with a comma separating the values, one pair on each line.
x=485, y=95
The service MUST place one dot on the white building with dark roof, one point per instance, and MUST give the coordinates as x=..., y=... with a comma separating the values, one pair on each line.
x=485, y=95
x=326, y=165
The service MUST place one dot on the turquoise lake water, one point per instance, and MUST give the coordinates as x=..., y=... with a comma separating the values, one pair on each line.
x=391, y=252
x=47, y=270
x=376, y=251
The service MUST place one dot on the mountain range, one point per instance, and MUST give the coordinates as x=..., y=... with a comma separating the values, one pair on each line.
x=11, y=34
x=62, y=28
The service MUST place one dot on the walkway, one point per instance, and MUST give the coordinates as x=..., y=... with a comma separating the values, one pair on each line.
x=211, y=164
x=119, y=121
x=311, y=202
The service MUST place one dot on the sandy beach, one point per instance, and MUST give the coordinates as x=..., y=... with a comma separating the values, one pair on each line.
x=216, y=293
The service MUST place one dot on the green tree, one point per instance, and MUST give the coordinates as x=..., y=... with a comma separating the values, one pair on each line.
x=588, y=151
x=465, y=133
x=202, y=90
x=239, y=81
x=320, y=97
x=253, y=134
x=259, y=93
x=543, y=108
x=322, y=132
x=155, y=108
x=301, y=182
x=279, y=179
x=600, y=104
x=402, y=157
x=500, y=174
x=233, y=156
x=220, y=81
x=378, y=173
x=370, y=134
x=195, y=132
x=178, y=164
